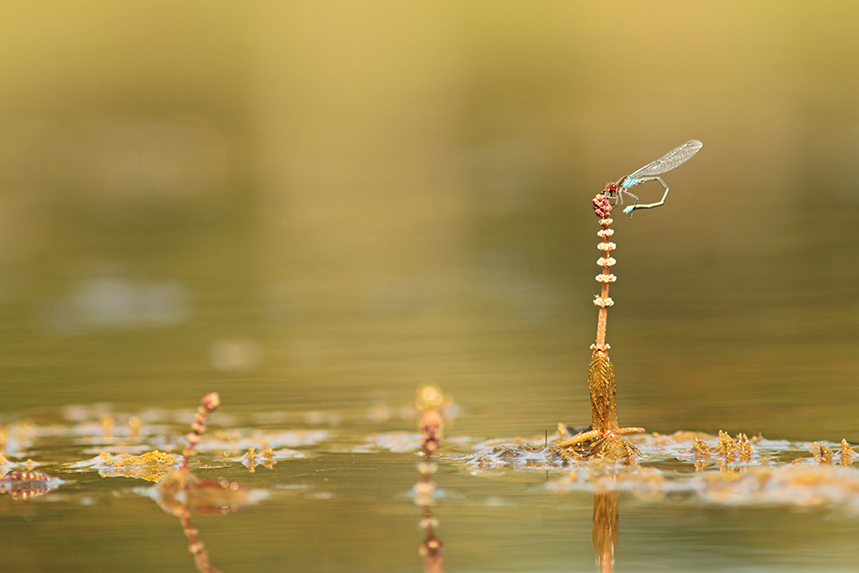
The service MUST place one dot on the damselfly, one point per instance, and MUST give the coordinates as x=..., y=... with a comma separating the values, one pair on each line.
x=674, y=158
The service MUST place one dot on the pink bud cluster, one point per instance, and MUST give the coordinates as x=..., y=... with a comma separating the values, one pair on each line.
x=602, y=205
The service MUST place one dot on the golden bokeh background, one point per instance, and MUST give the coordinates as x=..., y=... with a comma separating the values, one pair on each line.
x=303, y=204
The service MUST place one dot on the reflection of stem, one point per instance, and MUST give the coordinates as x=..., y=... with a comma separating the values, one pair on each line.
x=196, y=545
x=606, y=527
x=431, y=425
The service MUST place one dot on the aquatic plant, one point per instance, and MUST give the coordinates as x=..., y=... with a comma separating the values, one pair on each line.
x=604, y=437
x=181, y=492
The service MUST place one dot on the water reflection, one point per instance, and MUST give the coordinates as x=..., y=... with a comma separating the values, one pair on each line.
x=425, y=491
x=180, y=493
x=27, y=484
x=333, y=477
x=606, y=528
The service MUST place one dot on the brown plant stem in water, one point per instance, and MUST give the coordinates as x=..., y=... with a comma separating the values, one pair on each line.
x=208, y=404
x=603, y=388
x=603, y=439
x=178, y=488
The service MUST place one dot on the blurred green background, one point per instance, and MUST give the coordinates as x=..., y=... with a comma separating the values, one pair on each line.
x=308, y=205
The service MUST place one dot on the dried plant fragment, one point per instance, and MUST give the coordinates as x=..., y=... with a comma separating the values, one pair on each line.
x=151, y=466
x=846, y=453
x=701, y=449
x=821, y=453
x=727, y=447
x=744, y=447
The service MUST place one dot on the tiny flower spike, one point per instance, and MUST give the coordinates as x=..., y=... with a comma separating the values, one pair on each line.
x=208, y=404
x=603, y=439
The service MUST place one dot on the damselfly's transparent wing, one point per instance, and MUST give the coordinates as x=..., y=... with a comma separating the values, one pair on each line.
x=670, y=160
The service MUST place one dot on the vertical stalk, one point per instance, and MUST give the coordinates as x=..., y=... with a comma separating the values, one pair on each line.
x=208, y=404
x=603, y=438
x=601, y=382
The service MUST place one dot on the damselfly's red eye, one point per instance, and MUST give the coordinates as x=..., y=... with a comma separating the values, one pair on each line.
x=612, y=187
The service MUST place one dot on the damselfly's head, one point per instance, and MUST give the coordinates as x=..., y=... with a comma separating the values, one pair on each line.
x=612, y=191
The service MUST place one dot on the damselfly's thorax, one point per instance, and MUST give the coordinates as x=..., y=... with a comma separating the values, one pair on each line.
x=615, y=190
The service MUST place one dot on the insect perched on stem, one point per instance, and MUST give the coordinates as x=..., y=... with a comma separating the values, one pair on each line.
x=650, y=172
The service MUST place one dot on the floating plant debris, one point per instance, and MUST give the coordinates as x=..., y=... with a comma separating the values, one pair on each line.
x=720, y=469
x=150, y=466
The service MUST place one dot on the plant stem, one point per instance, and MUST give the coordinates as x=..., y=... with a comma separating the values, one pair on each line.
x=603, y=438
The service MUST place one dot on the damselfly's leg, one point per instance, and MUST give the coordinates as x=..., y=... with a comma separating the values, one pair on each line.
x=622, y=191
x=632, y=208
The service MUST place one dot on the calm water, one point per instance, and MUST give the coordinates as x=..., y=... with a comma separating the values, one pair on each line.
x=337, y=497
x=316, y=211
